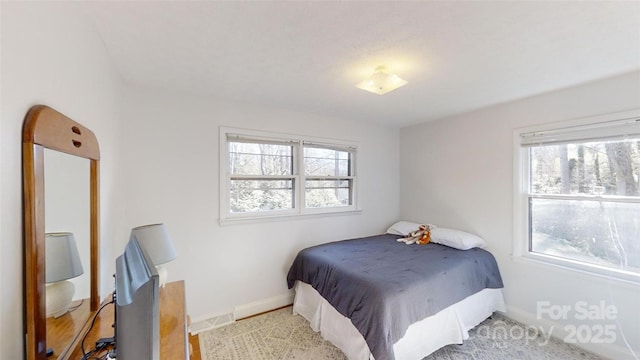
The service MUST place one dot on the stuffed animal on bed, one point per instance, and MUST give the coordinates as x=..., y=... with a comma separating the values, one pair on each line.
x=420, y=236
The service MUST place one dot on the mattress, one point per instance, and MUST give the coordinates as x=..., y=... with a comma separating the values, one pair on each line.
x=449, y=326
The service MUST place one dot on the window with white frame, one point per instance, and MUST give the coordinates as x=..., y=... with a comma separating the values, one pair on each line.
x=580, y=195
x=265, y=174
x=328, y=176
x=261, y=175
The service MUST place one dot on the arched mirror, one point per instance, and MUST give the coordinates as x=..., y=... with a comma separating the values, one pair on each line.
x=61, y=227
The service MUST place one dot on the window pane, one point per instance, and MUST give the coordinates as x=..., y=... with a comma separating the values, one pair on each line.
x=327, y=193
x=599, y=168
x=326, y=162
x=260, y=195
x=597, y=232
x=260, y=159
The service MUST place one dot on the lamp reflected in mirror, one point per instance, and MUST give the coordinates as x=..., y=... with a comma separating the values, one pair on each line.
x=62, y=263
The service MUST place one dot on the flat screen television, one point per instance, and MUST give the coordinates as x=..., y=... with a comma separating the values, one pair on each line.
x=137, y=311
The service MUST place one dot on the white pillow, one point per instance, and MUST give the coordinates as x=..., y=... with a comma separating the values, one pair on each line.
x=402, y=228
x=456, y=239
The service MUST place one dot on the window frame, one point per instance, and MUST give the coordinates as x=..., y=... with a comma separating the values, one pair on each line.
x=346, y=148
x=521, y=195
x=298, y=177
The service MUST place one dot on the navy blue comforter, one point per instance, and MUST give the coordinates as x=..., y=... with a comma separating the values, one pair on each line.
x=384, y=286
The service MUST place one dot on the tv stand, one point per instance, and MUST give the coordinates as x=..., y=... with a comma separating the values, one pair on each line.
x=174, y=340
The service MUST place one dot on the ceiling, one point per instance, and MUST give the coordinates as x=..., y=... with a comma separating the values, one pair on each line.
x=308, y=56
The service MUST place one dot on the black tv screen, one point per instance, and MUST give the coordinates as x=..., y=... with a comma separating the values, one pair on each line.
x=137, y=331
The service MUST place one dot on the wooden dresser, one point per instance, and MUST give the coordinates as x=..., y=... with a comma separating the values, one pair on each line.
x=174, y=342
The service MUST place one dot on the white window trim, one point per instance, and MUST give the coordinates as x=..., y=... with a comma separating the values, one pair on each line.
x=299, y=209
x=521, y=174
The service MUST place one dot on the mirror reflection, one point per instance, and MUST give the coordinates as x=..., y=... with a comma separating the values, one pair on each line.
x=67, y=246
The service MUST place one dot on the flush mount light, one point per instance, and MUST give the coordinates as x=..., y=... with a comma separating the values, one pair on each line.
x=381, y=82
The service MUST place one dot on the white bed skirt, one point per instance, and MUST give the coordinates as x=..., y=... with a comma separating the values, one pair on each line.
x=449, y=326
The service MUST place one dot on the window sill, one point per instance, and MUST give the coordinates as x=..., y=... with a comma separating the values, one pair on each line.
x=621, y=276
x=284, y=217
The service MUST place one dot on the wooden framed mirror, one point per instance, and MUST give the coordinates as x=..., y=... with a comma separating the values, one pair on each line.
x=46, y=130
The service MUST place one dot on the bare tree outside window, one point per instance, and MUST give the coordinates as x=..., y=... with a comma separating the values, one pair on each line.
x=272, y=177
x=261, y=177
x=584, y=202
x=328, y=182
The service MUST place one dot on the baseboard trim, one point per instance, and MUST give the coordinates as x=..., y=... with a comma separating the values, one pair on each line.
x=608, y=351
x=261, y=306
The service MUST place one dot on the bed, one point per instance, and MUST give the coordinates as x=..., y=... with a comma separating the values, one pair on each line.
x=375, y=298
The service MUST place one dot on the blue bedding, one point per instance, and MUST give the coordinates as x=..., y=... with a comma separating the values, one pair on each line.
x=384, y=286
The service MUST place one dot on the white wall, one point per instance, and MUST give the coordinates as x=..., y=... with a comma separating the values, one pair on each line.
x=51, y=56
x=171, y=142
x=458, y=172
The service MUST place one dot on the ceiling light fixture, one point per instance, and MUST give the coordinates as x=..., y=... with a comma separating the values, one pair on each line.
x=381, y=82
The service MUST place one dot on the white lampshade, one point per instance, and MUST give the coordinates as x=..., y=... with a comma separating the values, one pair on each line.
x=381, y=82
x=62, y=260
x=156, y=242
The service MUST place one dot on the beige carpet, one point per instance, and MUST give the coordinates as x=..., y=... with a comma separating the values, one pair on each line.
x=275, y=335
x=282, y=335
